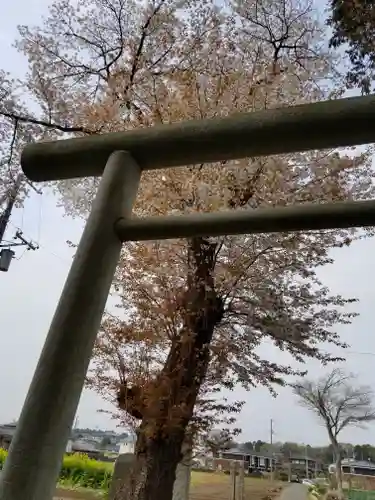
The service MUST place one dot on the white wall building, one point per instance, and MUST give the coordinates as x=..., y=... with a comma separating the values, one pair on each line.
x=127, y=445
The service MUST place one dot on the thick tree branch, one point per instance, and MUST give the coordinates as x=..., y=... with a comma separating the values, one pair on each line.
x=130, y=399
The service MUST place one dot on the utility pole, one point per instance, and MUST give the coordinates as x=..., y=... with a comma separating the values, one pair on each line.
x=5, y=216
x=271, y=443
x=307, y=462
x=6, y=254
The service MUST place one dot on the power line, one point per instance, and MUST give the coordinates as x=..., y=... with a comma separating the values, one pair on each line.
x=355, y=353
x=6, y=252
x=38, y=245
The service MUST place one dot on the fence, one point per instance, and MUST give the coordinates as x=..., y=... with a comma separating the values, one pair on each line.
x=359, y=482
x=359, y=487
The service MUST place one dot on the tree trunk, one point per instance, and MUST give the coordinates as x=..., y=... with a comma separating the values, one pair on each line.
x=339, y=473
x=153, y=473
x=337, y=457
x=166, y=405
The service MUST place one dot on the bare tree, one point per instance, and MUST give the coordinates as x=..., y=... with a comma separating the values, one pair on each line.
x=339, y=403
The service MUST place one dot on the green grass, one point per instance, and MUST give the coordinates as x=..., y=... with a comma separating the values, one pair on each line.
x=360, y=495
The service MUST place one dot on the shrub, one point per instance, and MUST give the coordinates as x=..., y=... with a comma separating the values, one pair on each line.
x=82, y=471
x=3, y=455
x=321, y=488
x=281, y=475
x=313, y=493
x=256, y=473
x=79, y=470
x=317, y=490
x=331, y=495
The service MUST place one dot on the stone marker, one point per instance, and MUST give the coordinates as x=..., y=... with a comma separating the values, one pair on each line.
x=121, y=472
x=125, y=462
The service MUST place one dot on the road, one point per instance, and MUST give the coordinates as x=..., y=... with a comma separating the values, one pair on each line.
x=294, y=491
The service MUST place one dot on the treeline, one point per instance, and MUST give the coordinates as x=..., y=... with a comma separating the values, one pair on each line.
x=322, y=453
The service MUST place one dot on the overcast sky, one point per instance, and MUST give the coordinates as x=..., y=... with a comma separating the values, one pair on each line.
x=30, y=290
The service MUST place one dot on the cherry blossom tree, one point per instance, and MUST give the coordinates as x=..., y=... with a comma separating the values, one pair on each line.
x=14, y=134
x=196, y=311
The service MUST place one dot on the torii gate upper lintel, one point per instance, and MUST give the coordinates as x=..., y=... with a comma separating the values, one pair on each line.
x=326, y=124
x=43, y=429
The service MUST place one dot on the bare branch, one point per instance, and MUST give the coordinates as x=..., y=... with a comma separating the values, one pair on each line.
x=48, y=124
x=336, y=401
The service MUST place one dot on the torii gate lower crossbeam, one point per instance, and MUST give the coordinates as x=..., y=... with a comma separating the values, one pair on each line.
x=36, y=451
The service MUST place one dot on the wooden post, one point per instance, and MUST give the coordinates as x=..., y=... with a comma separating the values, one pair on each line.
x=241, y=483
x=233, y=473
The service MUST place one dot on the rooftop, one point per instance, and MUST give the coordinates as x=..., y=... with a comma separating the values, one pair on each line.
x=242, y=453
x=7, y=429
x=83, y=445
x=352, y=462
x=303, y=457
x=265, y=454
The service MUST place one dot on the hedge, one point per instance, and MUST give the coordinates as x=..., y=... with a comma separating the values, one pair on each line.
x=316, y=491
x=79, y=470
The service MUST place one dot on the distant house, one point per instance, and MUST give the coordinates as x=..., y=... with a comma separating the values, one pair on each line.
x=127, y=445
x=266, y=461
x=7, y=432
x=89, y=448
x=94, y=435
x=353, y=466
x=83, y=441
x=298, y=464
x=253, y=461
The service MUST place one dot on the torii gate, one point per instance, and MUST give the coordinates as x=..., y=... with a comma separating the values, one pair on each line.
x=34, y=460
